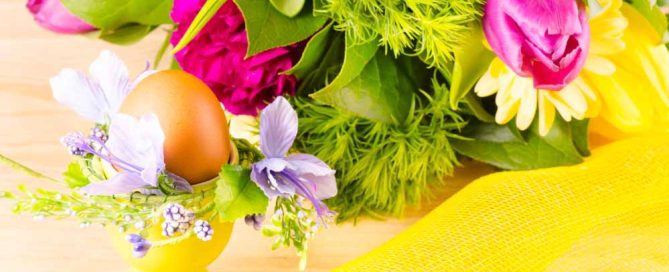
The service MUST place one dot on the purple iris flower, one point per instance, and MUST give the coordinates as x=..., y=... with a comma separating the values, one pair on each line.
x=282, y=175
x=134, y=147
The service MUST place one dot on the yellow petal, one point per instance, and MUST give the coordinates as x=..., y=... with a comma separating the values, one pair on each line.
x=527, y=109
x=506, y=112
x=487, y=85
x=599, y=65
x=546, y=114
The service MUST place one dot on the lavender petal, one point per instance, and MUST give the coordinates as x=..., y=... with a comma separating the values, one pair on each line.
x=112, y=76
x=278, y=128
x=121, y=183
x=315, y=174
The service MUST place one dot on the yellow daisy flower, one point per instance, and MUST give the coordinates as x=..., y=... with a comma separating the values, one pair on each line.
x=624, y=70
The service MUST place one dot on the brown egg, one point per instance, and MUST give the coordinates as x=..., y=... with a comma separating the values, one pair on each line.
x=197, y=141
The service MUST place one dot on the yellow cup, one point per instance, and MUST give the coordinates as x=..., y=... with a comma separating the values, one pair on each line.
x=191, y=254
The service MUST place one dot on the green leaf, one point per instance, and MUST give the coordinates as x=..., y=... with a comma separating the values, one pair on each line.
x=356, y=58
x=74, y=176
x=237, y=195
x=374, y=85
x=289, y=8
x=124, y=35
x=313, y=53
x=474, y=106
x=471, y=62
x=205, y=14
x=500, y=146
x=579, y=130
x=654, y=15
x=267, y=28
x=113, y=14
x=320, y=62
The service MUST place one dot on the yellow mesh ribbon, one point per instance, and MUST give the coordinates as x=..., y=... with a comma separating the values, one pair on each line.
x=610, y=213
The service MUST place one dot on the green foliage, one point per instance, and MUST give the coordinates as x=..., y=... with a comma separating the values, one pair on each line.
x=382, y=167
x=123, y=211
x=237, y=195
x=267, y=28
x=321, y=60
x=471, y=62
x=319, y=45
x=292, y=225
x=74, y=177
x=432, y=29
x=374, y=85
x=114, y=14
x=289, y=8
x=507, y=148
x=205, y=14
x=124, y=35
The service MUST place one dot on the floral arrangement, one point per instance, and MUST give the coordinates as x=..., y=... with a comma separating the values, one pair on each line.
x=120, y=175
x=393, y=95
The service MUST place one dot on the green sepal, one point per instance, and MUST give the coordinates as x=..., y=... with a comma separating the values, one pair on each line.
x=237, y=195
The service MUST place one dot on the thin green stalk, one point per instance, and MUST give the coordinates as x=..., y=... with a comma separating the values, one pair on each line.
x=22, y=168
x=163, y=48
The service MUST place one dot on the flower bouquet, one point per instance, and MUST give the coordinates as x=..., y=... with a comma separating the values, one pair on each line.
x=393, y=95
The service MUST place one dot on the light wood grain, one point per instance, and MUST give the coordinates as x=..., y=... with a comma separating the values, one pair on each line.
x=31, y=124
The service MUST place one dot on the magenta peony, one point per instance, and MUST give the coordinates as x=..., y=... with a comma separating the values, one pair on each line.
x=216, y=55
x=52, y=15
x=545, y=40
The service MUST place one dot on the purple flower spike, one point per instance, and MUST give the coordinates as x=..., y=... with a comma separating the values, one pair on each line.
x=140, y=246
x=282, y=175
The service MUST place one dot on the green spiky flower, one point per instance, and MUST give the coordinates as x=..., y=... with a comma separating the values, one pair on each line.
x=431, y=29
x=382, y=168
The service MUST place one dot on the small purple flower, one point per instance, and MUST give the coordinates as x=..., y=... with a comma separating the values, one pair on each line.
x=203, y=230
x=255, y=220
x=282, y=175
x=140, y=246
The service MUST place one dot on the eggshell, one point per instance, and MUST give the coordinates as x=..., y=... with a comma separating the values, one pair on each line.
x=197, y=141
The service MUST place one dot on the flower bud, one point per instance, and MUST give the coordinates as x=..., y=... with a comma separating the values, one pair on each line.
x=52, y=15
x=546, y=40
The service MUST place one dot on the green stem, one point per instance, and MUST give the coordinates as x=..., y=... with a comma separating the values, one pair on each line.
x=26, y=170
x=163, y=48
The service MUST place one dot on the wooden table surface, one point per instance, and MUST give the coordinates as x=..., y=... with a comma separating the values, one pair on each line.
x=31, y=123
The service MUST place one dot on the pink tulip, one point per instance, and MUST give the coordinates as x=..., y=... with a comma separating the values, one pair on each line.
x=547, y=40
x=52, y=15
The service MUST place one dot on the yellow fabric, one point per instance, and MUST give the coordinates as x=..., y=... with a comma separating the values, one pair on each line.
x=610, y=213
